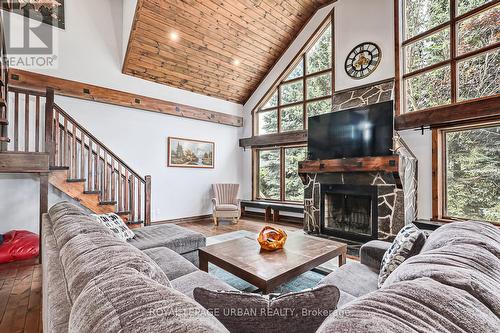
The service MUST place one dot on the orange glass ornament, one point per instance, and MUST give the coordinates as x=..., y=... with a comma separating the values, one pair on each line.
x=272, y=239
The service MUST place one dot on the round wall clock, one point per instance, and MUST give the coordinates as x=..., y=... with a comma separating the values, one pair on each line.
x=363, y=60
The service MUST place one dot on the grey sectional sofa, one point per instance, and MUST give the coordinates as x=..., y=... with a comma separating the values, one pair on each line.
x=93, y=282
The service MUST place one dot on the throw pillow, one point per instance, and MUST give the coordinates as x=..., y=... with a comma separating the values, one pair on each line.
x=409, y=241
x=116, y=225
x=301, y=311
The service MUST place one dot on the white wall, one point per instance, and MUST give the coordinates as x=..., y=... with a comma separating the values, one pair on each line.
x=91, y=51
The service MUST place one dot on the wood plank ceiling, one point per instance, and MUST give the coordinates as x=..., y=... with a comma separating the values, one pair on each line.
x=218, y=48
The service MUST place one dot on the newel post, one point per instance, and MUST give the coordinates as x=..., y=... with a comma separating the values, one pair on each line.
x=49, y=124
x=147, y=201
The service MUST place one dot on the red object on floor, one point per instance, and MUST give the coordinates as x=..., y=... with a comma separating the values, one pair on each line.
x=18, y=245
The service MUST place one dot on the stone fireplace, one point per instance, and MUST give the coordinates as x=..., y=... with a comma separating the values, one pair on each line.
x=360, y=199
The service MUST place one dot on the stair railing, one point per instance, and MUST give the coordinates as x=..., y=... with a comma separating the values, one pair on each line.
x=87, y=159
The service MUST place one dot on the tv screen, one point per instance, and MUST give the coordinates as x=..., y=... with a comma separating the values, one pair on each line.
x=358, y=132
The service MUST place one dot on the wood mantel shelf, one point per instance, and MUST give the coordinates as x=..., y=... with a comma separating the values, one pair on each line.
x=389, y=164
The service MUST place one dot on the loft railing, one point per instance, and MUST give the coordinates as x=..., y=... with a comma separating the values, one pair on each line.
x=38, y=124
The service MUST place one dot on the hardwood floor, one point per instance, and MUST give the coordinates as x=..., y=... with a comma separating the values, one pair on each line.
x=207, y=228
x=21, y=282
x=21, y=297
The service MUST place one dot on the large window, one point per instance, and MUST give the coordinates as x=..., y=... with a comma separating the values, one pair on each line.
x=470, y=173
x=305, y=90
x=277, y=174
x=450, y=51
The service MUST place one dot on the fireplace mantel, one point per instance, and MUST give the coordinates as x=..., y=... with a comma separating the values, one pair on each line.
x=388, y=164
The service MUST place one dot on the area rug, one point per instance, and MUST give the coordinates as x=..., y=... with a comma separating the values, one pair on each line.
x=305, y=281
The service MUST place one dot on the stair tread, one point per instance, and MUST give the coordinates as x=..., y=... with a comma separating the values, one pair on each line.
x=76, y=180
x=91, y=192
x=103, y=203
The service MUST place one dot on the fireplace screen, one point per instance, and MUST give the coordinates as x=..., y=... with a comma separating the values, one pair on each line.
x=349, y=211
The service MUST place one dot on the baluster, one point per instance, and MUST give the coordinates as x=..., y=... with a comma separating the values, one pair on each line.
x=57, y=139
x=120, y=189
x=132, y=197
x=74, y=154
x=113, y=180
x=96, y=176
x=105, y=176
x=127, y=191
x=89, y=166
x=37, y=124
x=66, y=144
x=139, y=201
x=26, y=122
x=16, y=121
x=147, y=201
x=82, y=155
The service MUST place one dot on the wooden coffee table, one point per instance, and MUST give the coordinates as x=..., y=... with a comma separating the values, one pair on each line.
x=268, y=270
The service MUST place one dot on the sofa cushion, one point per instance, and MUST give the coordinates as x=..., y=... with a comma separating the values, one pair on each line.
x=408, y=242
x=176, y=238
x=57, y=304
x=115, y=224
x=470, y=268
x=353, y=278
x=187, y=283
x=88, y=255
x=421, y=305
x=371, y=253
x=124, y=300
x=73, y=225
x=294, y=312
x=471, y=232
x=64, y=208
x=172, y=264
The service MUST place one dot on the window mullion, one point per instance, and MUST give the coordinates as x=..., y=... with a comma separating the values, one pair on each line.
x=282, y=174
x=453, y=50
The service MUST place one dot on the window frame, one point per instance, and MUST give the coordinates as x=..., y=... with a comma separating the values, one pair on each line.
x=256, y=168
x=301, y=56
x=452, y=23
x=439, y=169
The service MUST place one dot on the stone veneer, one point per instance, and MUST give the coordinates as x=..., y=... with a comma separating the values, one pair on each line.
x=397, y=194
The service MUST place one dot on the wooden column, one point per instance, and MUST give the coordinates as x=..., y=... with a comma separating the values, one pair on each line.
x=49, y=122
x=147, y=201
x=44, y=207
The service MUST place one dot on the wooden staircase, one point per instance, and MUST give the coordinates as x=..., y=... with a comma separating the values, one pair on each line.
x=80, y=165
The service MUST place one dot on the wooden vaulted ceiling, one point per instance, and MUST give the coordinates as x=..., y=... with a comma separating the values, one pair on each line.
x=218, y=48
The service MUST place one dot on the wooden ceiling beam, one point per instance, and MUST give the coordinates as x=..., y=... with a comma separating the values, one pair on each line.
x=115, y=97
x=485, y=108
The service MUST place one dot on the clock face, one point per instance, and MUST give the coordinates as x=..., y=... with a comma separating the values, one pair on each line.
x=363, y=60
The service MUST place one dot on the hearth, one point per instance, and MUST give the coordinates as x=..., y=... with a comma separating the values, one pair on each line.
x=349, y=211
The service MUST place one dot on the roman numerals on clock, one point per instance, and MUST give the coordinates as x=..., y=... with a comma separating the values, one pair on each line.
x=363, y=60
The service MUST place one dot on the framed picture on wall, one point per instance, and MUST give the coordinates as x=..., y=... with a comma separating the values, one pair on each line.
x=189, y=153
x=50, y=12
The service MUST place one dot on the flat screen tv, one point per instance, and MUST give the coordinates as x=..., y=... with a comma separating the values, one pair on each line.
x=359, y=132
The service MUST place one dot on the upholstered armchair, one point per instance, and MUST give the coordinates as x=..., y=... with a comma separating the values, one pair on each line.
x=225, y=202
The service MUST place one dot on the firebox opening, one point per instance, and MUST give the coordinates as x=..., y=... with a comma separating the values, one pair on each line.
x=349, y=211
